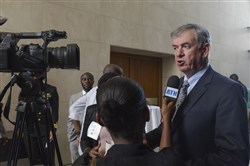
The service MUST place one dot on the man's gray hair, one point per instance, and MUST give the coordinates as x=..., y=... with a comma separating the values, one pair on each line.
x=202, y=34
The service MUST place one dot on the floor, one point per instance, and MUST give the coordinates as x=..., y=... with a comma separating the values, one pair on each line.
x=25, y=162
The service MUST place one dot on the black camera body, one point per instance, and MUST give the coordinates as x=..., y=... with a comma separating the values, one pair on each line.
x=34, y=57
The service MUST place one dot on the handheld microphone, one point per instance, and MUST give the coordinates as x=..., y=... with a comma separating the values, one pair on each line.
x=172, y=88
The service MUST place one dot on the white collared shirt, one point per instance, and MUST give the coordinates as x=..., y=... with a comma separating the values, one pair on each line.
x=195, y=78
x=78, y=109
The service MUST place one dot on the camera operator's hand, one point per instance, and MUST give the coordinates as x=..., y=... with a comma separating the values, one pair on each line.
x=2, y=20
x=51, y=136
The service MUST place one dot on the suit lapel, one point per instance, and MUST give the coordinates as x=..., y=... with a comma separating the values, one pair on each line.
x=199, y=89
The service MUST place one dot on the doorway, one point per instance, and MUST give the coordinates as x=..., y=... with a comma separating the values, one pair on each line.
x=146, y=70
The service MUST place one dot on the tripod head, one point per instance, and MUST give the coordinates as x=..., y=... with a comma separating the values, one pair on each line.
x=31, y=84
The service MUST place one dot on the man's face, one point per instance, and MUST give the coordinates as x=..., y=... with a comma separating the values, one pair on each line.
x=188, y=57
x=87, y=82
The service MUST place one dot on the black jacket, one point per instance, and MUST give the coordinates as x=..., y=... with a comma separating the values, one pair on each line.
x=89, y=117
x=138, y=155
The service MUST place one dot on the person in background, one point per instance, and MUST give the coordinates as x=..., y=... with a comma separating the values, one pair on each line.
x=210, y=127
x=2, y=128
x=3, y=139
x=42, y=103
x=74, y=123
x=122, y=109
x=87, y=143
x=236, y=78
x=90, y=98
x=50, y=92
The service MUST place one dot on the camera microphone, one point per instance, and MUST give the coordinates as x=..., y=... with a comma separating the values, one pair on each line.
x=60, y=34
x=2, y=20
x=172, y=88
x=54, y=35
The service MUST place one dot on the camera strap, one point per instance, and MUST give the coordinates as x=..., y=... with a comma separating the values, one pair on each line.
x=7, y=108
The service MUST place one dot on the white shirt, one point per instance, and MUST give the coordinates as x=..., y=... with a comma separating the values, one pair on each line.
x=78, y=108
x=70, y=130
x=195, y=78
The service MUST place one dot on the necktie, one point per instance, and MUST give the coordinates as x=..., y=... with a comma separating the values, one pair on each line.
x=181, y=97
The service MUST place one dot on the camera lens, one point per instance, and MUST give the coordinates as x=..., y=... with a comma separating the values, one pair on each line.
x=64, y=57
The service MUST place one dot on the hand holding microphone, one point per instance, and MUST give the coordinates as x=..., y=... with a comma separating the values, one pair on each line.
x=170, y=96
x=168, y=102
x=167, y=107
x=172, y=89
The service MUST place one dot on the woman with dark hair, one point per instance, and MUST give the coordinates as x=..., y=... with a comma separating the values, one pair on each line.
x=90, y=147
x=122, y=109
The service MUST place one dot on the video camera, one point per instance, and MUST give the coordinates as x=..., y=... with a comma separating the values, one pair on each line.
x=34, y=57
x=32, y=61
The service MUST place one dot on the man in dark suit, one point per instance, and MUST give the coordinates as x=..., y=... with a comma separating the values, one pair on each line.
x=41, y=102
x=210, y=127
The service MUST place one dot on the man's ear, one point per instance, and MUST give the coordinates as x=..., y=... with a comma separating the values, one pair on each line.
x=205, y=50
x=146, y=114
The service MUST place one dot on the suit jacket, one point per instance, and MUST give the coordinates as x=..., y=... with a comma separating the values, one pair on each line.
x=53, y=98
x=89, y=117
x=245, y=91
x=210, y=127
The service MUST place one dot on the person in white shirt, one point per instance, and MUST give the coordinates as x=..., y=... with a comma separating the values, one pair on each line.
x=90, y=98
x=75, y=119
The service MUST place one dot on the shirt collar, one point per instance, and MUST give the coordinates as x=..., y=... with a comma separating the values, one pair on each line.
x=195, y=78
x=83, y=92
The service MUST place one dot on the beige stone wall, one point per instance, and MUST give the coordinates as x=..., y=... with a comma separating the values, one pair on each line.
x=98, y=24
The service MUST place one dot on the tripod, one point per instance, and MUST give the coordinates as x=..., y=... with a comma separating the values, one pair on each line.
x=28, y=124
